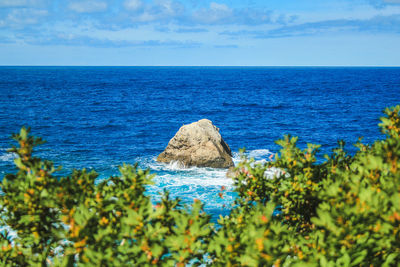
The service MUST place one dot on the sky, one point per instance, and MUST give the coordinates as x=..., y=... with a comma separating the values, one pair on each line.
x=200, y=32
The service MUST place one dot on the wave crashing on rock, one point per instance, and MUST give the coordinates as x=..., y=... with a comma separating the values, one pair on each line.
x=198, y=144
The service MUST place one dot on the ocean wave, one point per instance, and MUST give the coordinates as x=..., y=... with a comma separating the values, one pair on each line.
x=205, y=184
x=209, y=185
x=215, y=179
x=260, y=153
x=177, y=170
x=176, y=173
x=8, y=157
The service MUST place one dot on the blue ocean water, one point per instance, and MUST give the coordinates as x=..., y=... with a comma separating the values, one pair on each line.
x=100, y=117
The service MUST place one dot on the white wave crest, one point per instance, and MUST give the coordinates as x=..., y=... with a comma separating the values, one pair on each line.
x=176, y=165
x=192, y=180
x=236, y=158
x=259, y=153
x=210, y=178
x=205, y=184
x=8, y=157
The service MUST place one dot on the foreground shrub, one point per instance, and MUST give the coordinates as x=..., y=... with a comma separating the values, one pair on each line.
x=296, y=210
x=69, y=220
x=344, y=211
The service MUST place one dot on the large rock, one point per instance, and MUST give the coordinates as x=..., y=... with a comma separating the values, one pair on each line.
x=198, y=144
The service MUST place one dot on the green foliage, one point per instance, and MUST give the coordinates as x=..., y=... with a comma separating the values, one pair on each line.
x=295, y=210
x=71, y=221
x=344, y=211
x=251, y=237
x=294, y=184
x=30, y=206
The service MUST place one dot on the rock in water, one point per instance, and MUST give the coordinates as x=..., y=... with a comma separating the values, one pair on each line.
x=198, y=144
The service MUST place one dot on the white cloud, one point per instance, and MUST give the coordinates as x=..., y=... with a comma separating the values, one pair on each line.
x=380, y=4
x=89, y=6
x=219, y=7
x=170, y=8
x=20, y=17
x=214, y=14
x=133, y=4
x=159, y=10
x=19, y=3
x=13, y=3
x=166, y=6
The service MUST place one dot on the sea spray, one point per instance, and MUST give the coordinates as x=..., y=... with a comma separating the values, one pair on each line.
x=210, y=185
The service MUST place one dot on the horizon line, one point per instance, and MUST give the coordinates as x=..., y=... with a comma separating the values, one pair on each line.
x=216, y=66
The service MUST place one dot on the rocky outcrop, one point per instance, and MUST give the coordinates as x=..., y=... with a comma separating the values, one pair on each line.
x=198, y=144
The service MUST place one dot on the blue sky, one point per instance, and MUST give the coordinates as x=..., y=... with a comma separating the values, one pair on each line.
x=200, y=32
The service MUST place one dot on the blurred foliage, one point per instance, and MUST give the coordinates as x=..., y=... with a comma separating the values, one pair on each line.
x=294, y=210
x=71, y=221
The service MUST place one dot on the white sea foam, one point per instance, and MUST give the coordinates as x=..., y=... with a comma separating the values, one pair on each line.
x=176, y=173
x=260, y=153
x=208, y=179
x=8, y=156
x=176, y=165
x=210, y=185
x=205, y=184
x=189, y=183
x=236, y=158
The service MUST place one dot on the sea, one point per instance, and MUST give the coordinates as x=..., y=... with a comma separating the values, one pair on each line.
x=101, y=117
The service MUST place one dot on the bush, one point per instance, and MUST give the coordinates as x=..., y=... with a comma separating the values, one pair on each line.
x=344, y=211
x=68, y=221
x=295, y=210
